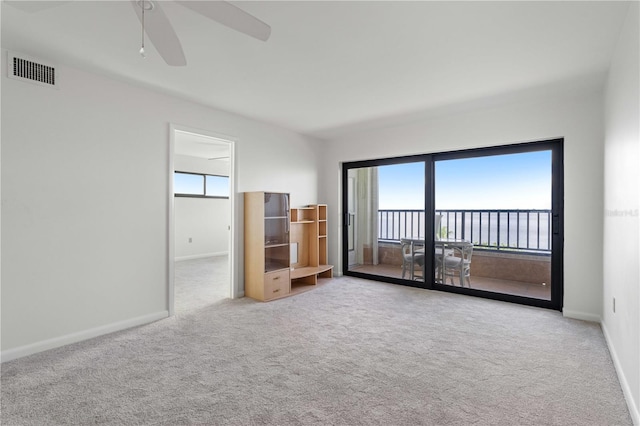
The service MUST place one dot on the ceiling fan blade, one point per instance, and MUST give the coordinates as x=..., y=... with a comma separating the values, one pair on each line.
x=161, y=33
x=231, y=16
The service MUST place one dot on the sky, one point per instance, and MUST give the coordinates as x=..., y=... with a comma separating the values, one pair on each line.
x=189, y=183
x=512, y=181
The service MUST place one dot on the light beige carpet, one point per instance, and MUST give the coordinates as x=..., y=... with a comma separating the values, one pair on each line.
x=200, y=282
x=352, y=352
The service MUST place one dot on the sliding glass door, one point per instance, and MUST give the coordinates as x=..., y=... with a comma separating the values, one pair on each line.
x=484, y=222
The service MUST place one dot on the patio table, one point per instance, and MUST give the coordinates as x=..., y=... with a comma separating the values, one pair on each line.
x=442, y=245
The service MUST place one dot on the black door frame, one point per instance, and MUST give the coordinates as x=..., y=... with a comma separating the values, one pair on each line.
x=557, y=211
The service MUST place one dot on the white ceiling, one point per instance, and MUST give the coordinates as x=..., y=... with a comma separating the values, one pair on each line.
x=337, y=66
x=201, y=146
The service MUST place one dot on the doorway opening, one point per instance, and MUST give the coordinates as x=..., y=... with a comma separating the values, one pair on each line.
x=201, y=217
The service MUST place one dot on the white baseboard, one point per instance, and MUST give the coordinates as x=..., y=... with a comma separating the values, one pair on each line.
x=200, y=256
x=57, y=342
x=624, y=384
x=584, y=316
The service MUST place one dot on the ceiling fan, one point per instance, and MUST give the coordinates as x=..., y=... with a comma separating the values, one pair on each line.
x=160, y=31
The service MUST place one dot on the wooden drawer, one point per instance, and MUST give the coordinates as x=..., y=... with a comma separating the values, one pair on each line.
x=276, y=284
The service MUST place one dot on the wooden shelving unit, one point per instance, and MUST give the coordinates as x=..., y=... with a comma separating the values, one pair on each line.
x=285, y=250
x=309, y=247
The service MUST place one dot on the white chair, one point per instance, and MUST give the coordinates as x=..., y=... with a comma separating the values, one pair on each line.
x=411, y=256
x=458, y=264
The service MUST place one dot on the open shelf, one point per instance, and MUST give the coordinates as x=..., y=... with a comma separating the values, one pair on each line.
x=322, y=228
x=303, y=215
x=298, y=287
x=306, y=271
x=308, y=277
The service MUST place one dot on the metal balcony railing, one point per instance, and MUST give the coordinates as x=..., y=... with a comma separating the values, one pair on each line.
x=505, y=230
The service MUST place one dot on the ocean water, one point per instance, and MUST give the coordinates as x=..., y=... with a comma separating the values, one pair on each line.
x=517, y=229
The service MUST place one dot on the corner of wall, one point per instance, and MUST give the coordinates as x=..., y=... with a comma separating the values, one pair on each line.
x=583, y=316
x=624, y=384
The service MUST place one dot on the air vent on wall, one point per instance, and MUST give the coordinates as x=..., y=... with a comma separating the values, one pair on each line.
x=24, y=68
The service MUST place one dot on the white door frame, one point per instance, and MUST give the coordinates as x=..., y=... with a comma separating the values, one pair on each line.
x=233, y=290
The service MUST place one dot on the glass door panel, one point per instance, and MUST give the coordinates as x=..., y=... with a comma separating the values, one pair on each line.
x=495, y=229
x=276, y=231
x=385, y=220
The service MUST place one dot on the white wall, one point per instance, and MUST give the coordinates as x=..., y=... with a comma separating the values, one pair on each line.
x=201, y=224
x=85, y=178
x=576, y=117
x=621, y=204
x=205, y=222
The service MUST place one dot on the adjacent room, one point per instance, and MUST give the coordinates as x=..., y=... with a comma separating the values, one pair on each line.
x=308, y=212
x=202, y=220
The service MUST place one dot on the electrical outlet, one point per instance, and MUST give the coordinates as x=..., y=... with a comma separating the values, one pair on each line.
x=614, y=305
x=190, y=239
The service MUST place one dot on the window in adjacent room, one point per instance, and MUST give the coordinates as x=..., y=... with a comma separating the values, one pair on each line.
x=187, y=184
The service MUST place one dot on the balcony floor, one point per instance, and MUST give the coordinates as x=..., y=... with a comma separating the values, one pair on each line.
x=516, y=288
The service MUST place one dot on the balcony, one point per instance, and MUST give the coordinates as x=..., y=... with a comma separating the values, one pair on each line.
x=512, y=251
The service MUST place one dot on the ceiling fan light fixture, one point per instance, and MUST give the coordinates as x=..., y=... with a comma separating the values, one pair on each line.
x=145, y=5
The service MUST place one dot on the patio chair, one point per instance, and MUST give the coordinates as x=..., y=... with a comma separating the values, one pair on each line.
x=458, y=265
x=412, y=255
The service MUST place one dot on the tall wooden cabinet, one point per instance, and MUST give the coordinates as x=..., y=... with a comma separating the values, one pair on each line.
x=266, y=245
x=285, y=249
